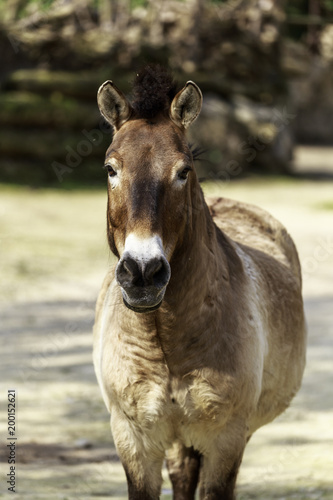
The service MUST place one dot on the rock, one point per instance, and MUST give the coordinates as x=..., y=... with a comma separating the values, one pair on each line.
x=239, y=136
x=312, y=99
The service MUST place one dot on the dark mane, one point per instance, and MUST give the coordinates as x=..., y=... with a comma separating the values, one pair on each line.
x=153, y=90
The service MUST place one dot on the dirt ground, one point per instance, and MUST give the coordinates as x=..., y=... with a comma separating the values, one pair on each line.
x=53, y=259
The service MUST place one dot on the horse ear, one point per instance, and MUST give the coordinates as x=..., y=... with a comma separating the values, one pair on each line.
x=113, y=105
x=186, y=105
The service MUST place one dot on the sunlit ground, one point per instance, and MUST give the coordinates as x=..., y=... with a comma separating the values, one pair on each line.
x=53, y=258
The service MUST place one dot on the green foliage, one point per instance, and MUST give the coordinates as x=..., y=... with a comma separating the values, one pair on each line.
x=24, y=8
x=328, y=4
x=42, y=5
x=138, y=3
x=297, y=7
x=326, y=205
x=46, y=4
x=298, y=10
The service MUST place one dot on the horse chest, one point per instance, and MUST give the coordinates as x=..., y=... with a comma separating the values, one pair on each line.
x=136, y=382
x=169, y=407
x=141, y=388
x=198, y=400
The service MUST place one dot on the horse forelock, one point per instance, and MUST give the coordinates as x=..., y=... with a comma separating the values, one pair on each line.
x=153, y=91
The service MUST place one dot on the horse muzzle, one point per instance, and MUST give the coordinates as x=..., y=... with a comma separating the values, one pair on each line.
x=143, y=282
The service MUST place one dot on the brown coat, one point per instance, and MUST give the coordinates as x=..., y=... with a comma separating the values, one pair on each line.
x=224, y=351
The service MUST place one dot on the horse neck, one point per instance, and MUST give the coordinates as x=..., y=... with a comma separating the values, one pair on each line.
x=198, y=296
x=198, y=259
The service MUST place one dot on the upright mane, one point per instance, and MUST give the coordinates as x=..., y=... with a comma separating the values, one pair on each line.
x=153, y=91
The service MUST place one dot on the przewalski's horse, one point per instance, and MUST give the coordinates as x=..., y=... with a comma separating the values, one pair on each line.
x=199, y=336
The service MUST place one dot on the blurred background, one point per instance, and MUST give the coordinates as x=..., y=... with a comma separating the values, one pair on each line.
x=266, y=71
x=265, y=67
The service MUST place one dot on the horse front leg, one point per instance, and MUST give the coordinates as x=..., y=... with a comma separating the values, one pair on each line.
x=220, y=468
x=183, y=467
x=222, y=489
x=142, y=461
x=140, y=489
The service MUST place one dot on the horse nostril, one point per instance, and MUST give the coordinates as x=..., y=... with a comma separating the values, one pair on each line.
x=157, y=272
x=132, y=273
x=129, y=273
x=128, y=267
x=152, y=269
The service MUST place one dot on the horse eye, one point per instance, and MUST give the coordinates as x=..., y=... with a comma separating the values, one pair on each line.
x=183, y=174
x=111, y=170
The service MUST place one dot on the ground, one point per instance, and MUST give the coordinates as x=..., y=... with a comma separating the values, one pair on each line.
x=53, y=258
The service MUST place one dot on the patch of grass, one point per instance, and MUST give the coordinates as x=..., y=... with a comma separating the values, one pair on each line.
x=325, y=205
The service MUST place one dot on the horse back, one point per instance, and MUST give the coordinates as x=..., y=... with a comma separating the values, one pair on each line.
x=253, y=228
